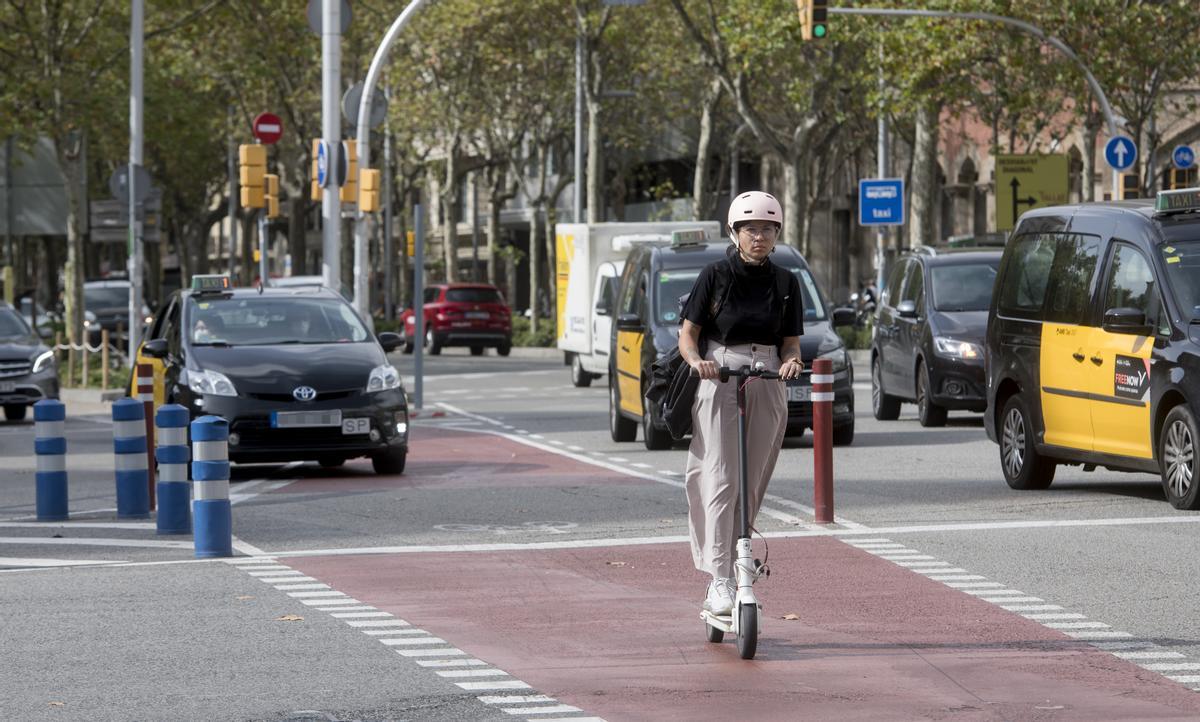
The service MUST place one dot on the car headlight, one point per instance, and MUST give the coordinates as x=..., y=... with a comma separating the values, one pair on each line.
x=953, y=348
x=383, y=378
x=42, y=361
x=837, y=355
x=213, y=383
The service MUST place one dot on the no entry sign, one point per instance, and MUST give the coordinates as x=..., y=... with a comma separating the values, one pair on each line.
x=268, y=128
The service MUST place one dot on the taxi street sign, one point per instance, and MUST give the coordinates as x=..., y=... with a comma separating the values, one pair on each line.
x=1120, y=152
x=881, y=202
x=1183, y=157
x=1028, y=181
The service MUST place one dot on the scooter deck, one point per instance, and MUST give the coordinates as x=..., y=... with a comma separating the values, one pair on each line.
x=723, y=623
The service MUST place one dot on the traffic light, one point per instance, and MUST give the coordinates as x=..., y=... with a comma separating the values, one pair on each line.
x=349, y=191
x=252, y=170
x=814, y=16
x=316, y=187
x=272, y=195
x=1130, y=186
x=368, y=190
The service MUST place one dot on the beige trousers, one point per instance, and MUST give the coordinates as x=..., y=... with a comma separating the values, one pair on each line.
x=713, y=465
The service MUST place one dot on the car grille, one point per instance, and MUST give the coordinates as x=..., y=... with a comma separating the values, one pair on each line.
x=10, y=369
x=321, y=396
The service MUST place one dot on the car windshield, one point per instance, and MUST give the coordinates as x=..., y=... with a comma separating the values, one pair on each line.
x=106, y=297
x=963, y=286
x=673, y=284
x=269, y=321
x=12, y=325
x=473, y=295
x=1182, y=259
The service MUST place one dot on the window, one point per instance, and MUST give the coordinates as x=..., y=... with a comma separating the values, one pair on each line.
x=431, y=294
x=1026, y=276
x=629, y=287
x=1182, y=261
x=1131, y=283
x=12, y=325
x=1071, y=273
x=891, y=292
x=607, y=296
x=914, y=283
x=814, y=307
x=474, y=295
x=671, y=286
x=269, y=320
x=963, y=287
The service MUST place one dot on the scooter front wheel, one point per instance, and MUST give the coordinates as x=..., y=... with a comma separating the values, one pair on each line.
x=747, y=638
x=713, y=634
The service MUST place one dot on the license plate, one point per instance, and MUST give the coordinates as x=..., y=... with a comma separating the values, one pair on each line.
x=7, y=387
x=799, y=393
x=356, y=426
x=476, y=314
x=305, y=419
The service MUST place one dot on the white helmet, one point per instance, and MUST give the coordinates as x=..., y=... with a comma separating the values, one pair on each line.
x=755, y=206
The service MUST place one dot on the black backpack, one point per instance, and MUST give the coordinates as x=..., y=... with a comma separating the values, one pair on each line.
x=672, y=388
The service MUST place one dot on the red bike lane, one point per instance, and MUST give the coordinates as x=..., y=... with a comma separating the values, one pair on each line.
x=616, y=631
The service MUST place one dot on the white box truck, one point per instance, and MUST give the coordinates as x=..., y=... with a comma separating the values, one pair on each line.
x=590, y=260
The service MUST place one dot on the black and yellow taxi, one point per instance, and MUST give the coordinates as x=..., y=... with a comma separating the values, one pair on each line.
x=1093, y=343
x=655, y=276
x=295, y=371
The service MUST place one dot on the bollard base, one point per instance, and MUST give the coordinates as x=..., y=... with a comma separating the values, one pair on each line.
x=52, y=496
x=213, y=522
x=174, y=517
x=133, y=500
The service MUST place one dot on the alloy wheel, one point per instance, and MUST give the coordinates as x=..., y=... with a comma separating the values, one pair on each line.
x=1013, y=443
x=1178, y=452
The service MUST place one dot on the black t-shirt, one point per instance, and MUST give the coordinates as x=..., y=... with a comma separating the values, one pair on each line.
x=751, y=313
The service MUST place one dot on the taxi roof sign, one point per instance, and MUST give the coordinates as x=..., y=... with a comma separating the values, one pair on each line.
x=215, y=283
x=690, y=237
x=1180, y=201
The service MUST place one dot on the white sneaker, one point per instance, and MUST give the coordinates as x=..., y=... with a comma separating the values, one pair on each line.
x=719, y=600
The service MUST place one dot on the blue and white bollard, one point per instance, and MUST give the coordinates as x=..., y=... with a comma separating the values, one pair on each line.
x=171, y=453
x=129, y=459
x=212, y=514
x=50, y=445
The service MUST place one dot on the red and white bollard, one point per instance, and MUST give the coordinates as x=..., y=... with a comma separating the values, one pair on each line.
x=145, y=394
x=822, y=405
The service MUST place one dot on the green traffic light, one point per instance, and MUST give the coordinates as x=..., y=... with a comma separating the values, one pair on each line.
x=818, y=31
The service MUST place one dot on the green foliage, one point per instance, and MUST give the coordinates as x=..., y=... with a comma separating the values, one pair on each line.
x=521, y=335
x=854, y=337
x=118, y=375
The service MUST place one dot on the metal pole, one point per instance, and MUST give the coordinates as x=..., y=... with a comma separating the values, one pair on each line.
x=233, y=201
x=136, y=37
x=389, y=261
x=578, y=201
x=331, y=132
x=262, y=248
x=364, y=140
x=881, y=239
x=474, y=227
x=418, y=303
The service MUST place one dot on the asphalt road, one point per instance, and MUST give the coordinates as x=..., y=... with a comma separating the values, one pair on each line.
x=115, y=622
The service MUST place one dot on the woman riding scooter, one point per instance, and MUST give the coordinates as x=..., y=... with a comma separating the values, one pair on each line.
x=750, y=325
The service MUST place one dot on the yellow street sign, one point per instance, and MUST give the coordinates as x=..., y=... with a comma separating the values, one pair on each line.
x=1028, y=181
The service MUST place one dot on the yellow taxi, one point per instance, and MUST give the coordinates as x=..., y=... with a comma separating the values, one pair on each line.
x=1093, y=343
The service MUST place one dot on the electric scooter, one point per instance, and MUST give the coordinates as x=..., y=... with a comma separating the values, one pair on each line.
x=745, y=619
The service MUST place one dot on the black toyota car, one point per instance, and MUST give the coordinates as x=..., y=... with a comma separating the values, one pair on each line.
x=294, y=371
x=927, y=343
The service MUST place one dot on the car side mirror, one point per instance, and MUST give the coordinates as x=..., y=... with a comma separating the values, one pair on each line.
x=389, y=341
x=843, y=317
x=907, y=309
x=602, y=308
x=629, y=322
x=1131, y=321
x=45, y=332
x=156, y=348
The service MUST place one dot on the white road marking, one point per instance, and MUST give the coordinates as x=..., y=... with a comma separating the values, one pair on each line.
x=452, y=673
x=359, y=615
x=284, y=579
x=412, y=641
x=379, y=623
x=309, y=595
x=554, y=709
x=398, y=637
x=93, y=542
x=451, y=662
x=1039, y=616
x=77, y=525
x=347, y=601
x=514, y=698
x=36, y=562
x=442, y=652
x=497, y=684
x=298, y=587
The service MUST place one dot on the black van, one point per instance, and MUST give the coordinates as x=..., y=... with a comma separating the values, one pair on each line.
x=1093, y=343
x=647, y=327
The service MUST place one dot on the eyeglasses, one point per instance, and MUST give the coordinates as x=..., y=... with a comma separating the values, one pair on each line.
x=766, y=232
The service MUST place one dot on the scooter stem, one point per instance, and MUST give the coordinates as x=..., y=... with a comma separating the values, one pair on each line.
x=744, y=469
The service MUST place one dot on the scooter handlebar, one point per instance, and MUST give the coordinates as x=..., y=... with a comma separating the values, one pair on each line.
x=746, y=372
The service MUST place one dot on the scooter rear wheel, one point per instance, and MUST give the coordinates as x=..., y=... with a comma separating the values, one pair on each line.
x=747, y=639
x=713, y=634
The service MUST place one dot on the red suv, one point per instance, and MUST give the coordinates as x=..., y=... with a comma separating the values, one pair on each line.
x=462, y=314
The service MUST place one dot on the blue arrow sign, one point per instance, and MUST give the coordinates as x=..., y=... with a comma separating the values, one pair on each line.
x=323, y=164
x=1184, y=157
x=881, y=202
x=1120, y=152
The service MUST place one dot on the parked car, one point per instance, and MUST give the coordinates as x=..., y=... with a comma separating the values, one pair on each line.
x=654, y=278
x=295, y=372
x=461, y=314
x=927, y=341
x=28, y=372
x=297, y=281
x=106, y=306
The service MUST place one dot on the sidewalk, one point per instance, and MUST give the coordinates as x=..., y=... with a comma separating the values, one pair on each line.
x=83, y=402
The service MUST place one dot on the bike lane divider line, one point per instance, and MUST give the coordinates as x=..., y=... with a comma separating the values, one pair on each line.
x=429, y=652
x=871, y=640
x=1051, y=616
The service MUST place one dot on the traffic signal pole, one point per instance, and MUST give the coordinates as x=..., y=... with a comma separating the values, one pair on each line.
x=331, y=132
x=1059, y=45
x=136, y=38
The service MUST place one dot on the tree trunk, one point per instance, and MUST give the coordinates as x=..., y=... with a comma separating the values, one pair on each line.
x=535, y=233
x=702, y=200
x=595, y=156
x=795, y=202
x=449, y=224
x=924, y=183
x=495, y=188
x=71, y=161
x=1091, y=129
x=298, y=233
x=552, y=261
